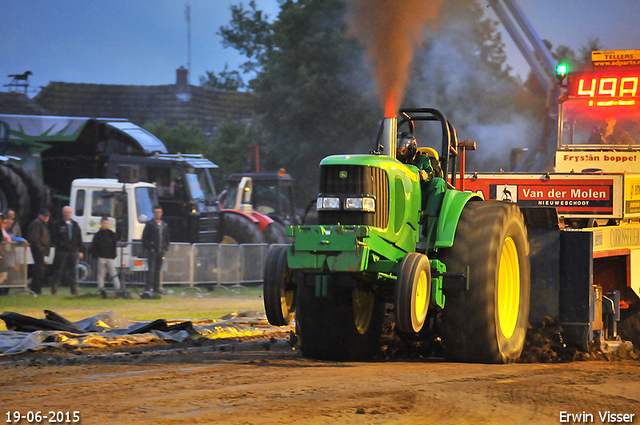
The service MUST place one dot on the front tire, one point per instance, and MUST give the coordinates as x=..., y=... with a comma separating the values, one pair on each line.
x=279, y=295
x=346, y=325
x=487, y=323
x=413, y=293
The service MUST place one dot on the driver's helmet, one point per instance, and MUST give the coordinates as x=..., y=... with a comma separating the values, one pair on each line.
x=407, y=146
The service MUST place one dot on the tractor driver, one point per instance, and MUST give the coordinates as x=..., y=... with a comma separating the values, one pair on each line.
x=612, y=134
x=433, y=187
x=615, y=135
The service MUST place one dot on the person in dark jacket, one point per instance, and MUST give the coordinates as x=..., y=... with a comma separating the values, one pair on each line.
x=103, y=247
x=155, y=241
x=67, y=240
x=40, y=243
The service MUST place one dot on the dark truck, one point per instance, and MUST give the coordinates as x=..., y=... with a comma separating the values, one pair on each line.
x=44, y=154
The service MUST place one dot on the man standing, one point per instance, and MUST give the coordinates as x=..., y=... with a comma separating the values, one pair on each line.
x=155, y=240
x=40, y=243
x=68, y=242
x=103, y=247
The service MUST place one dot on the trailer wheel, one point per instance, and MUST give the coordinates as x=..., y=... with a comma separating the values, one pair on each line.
x=629, y=326
x=83, y=271
x=487, y=323
x=345, y=325
x=279, y=295
x=238, y=229
x=413, y=293
x=13, y=192
x=275, y=233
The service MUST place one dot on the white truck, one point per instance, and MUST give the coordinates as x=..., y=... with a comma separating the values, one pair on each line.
x=128, y=206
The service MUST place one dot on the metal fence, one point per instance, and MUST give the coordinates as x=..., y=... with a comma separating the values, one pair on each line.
x=188, y=265
x=204, y=264
x=13, y=270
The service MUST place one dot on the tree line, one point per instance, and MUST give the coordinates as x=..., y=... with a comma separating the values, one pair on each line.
x=315, y=95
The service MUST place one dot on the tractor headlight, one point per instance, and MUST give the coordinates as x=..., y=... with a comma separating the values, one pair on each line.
x=363, y=204
x=328, y=203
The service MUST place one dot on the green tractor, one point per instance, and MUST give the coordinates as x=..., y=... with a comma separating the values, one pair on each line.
x=464, y=271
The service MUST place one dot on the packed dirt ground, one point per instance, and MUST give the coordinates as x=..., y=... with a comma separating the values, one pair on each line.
x=264, y=380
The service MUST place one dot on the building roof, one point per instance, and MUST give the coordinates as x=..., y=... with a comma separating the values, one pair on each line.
x=19, y=104
x=148, y=104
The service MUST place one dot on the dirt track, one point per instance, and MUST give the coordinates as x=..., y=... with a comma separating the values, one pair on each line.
x=261, y=381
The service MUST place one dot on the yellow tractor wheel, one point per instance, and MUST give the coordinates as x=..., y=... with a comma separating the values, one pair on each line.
x=488, y=322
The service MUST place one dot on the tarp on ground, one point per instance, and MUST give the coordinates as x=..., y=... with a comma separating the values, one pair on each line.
x=30, y=334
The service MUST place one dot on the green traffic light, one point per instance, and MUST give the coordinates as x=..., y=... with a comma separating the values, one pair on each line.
x=561, y=70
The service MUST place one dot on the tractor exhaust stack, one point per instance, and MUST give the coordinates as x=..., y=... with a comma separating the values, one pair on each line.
x=389, y=139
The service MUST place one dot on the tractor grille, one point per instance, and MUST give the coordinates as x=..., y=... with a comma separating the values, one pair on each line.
x=360, y=180
x=209, y=227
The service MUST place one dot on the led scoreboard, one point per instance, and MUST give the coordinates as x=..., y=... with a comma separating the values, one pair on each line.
x=612, y=82
x=605, y=87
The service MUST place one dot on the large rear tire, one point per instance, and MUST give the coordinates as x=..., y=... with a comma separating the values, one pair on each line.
x=38, y=193
x=13, y=192
x=275, y=233
x=279, y=294
x=413, y=293
x=346, y=325
x=238, y=229
x=488, y=322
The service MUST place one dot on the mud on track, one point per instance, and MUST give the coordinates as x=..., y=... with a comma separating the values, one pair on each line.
x=258, y=381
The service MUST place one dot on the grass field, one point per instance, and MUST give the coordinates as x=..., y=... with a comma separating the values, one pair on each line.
x=182, y=303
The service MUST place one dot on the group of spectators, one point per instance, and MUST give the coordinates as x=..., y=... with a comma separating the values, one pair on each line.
x=10, y=232
x=65, y=235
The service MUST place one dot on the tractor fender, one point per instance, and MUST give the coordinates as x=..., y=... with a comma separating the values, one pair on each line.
x=249, y=216
x=452, y=205
x=263, y=220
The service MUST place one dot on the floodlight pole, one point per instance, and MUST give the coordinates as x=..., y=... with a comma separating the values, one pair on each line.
x=188, y=15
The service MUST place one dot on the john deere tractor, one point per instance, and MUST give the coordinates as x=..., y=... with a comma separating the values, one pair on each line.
x=465, y=268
